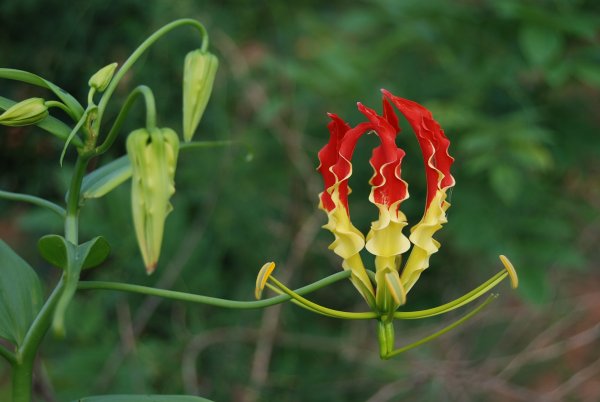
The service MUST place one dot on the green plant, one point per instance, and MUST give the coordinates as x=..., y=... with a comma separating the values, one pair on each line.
x=151, y=162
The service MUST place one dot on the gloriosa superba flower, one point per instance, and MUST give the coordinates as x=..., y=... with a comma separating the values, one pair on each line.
x=385, y=288
x=153, y=155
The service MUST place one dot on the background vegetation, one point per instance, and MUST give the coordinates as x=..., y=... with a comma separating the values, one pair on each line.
x=516, y=86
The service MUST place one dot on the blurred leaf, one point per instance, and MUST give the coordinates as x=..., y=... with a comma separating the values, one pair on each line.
x=20, y=295
x=506, y=181
x=540, y=45
x=589, y=73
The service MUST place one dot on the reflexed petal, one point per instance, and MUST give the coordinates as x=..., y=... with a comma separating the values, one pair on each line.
x=385, y=239
x=422, y=238
x=434, y=146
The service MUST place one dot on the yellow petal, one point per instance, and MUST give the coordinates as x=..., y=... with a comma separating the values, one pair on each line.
x=385, y=238
x=422, y=238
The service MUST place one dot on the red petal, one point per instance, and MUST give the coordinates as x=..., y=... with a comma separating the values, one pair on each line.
x=329, y=155
x=434, y=144
x=388, y=187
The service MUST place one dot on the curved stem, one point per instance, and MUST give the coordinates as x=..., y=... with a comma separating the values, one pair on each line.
x=296, y=302
x=205, y=144
x=72, y=213
x=325, y=310
x=136, y=55
x=62, y=107
x=23, y=367
x=461, y=301
x=8, y=355
x=40, y=202
x=146, y=92
x=212, y=301
x=450, y=327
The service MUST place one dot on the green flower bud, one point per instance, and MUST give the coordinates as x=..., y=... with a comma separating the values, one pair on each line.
x=102, y=77
x=24, y=113
x=153, y=154
x=198, y=77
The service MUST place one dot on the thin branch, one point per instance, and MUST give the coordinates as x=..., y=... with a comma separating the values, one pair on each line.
x=31, y=199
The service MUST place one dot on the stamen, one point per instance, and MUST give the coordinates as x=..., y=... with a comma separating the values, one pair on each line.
x=512, y=272
x=262, y=277
x=461, y=301
x=324, y=310
x=450, y=327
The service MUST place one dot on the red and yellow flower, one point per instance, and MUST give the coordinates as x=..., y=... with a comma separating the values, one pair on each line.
x=386, y=240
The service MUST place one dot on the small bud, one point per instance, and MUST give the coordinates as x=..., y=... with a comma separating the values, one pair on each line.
x=102, y=77
x=198, y=77
x=24, y=113
x=153, y=154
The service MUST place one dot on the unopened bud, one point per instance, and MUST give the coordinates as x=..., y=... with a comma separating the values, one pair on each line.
x=102, y=77
x=199, y=72
x=153, y=154
x=24, y=113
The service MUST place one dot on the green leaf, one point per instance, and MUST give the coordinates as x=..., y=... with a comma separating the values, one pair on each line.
x=143, y=398
x=24, y=76
x=105, y=179
x=73, y=258
x=20, y=295
x=53, y=249
x=93, y=252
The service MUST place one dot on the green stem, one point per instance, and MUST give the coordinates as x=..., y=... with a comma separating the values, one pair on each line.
x=450, y=327
x=212, y=301
x=72, y=213
x=205, y=144
x=136, y=55
x=40, y=202
x=8, y=355
x=296, y=302
x=61, y=106
x=25, y=356
x=325, y=310
x=146, y=92
x=461, y=301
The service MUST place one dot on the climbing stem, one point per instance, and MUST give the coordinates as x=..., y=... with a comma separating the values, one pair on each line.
x=212, y=301
x=138, y=52
x=146, y=92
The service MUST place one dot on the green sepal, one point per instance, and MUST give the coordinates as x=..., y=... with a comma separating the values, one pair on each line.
x=101, y=78
x=200, y=68
x=20, y=295
x=25, y=113
x=153, y=154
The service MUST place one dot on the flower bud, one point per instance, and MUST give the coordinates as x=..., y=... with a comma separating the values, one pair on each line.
x=24, y=113
x=198, y=76
x=102, y=77
x=153, y=154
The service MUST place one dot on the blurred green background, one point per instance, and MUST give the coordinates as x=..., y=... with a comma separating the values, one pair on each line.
x=516, y=86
